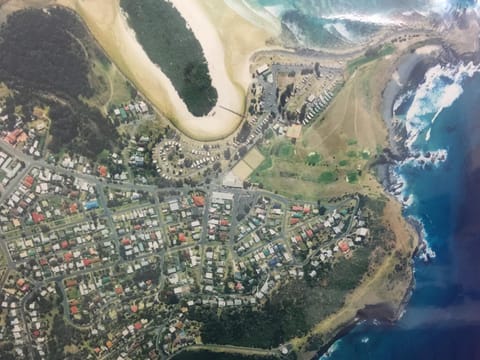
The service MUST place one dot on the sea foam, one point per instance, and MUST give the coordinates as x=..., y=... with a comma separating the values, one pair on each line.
x=442, y=86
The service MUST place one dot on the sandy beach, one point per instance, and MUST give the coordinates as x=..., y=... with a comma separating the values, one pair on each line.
x=226, y=39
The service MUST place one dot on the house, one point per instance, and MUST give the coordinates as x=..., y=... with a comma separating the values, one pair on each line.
x=362, y=232
x=90, y=205
x=294, y=221
x=263, y=69
x=182, y=238
x=37, y=218
x=73, y=208
x=343, y=246
x=198, y=200
x=102, y=171
x=28, y=181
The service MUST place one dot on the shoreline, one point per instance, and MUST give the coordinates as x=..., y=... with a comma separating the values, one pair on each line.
x=228, y=61
x=384, y=313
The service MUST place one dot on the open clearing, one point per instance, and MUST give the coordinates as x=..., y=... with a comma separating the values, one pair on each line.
x=341, y=143
x=242, y=170
x=254, y=158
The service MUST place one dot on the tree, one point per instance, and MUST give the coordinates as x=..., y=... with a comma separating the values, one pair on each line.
x=242, y=151
x=227, y=154
x=317, y=69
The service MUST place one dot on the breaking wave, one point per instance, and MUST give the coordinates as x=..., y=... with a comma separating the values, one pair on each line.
x=441, y=88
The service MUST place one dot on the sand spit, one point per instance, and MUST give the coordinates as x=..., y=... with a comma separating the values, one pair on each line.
x=225, y=38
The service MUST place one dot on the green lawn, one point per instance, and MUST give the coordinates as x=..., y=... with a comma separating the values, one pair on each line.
x=355, y=64
x=327, y=177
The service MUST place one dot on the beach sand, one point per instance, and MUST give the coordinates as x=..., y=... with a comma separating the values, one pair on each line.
x=228, y=41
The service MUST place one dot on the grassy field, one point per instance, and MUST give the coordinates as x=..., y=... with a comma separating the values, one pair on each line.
x=333, y=154
x=111, y=86
x=299, y=171
x=254, y=158
x=370, y=56
x=164, y=35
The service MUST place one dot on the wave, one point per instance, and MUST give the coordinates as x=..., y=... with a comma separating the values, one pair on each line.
x=334, y=16
x=442, y=86
x=376, y=19
x=341, y=30
x=440, y=89
x=332, y=349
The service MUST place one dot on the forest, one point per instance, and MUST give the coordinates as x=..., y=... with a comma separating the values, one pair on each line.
x=210, y=355
x=42, y=51
x=165, y=37
x=290, y=312
x=45, y=61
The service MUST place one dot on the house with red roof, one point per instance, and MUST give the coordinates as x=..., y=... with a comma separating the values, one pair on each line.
x=74, y=310
x=102, y=171
x=86, y=262
x=73, y=208
x=294, y=221
x=182, y=238
x=37, y=218
x=70, y=283
x=343, y=246
x=198, y=200
x=28, y=181
x=13, y=136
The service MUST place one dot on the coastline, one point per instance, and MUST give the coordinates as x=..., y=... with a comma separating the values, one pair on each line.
x=227, y=52
x=385, y=313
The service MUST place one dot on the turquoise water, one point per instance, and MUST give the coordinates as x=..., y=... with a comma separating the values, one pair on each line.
x=442, y=320
x=320, y=23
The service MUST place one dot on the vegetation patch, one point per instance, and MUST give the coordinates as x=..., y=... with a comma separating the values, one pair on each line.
x=284, y=150
x=43, y=51
x=265, y=165
x=291, y=312
x=370, y=55
x=212, y=355
x=45, y=62
x=313, y=159
x=327, y=177
x=365, y=155
x=343, y=163
x=352, y=177
x=163, y=33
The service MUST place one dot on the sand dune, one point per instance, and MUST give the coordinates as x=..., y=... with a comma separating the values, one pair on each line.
x=228, y=42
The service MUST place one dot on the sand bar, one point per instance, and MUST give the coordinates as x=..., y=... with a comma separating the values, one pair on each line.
x=227, y=42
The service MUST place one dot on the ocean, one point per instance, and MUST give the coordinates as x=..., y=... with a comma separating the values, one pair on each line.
x=440, y=320
x=442, y=115
x=330, y=23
